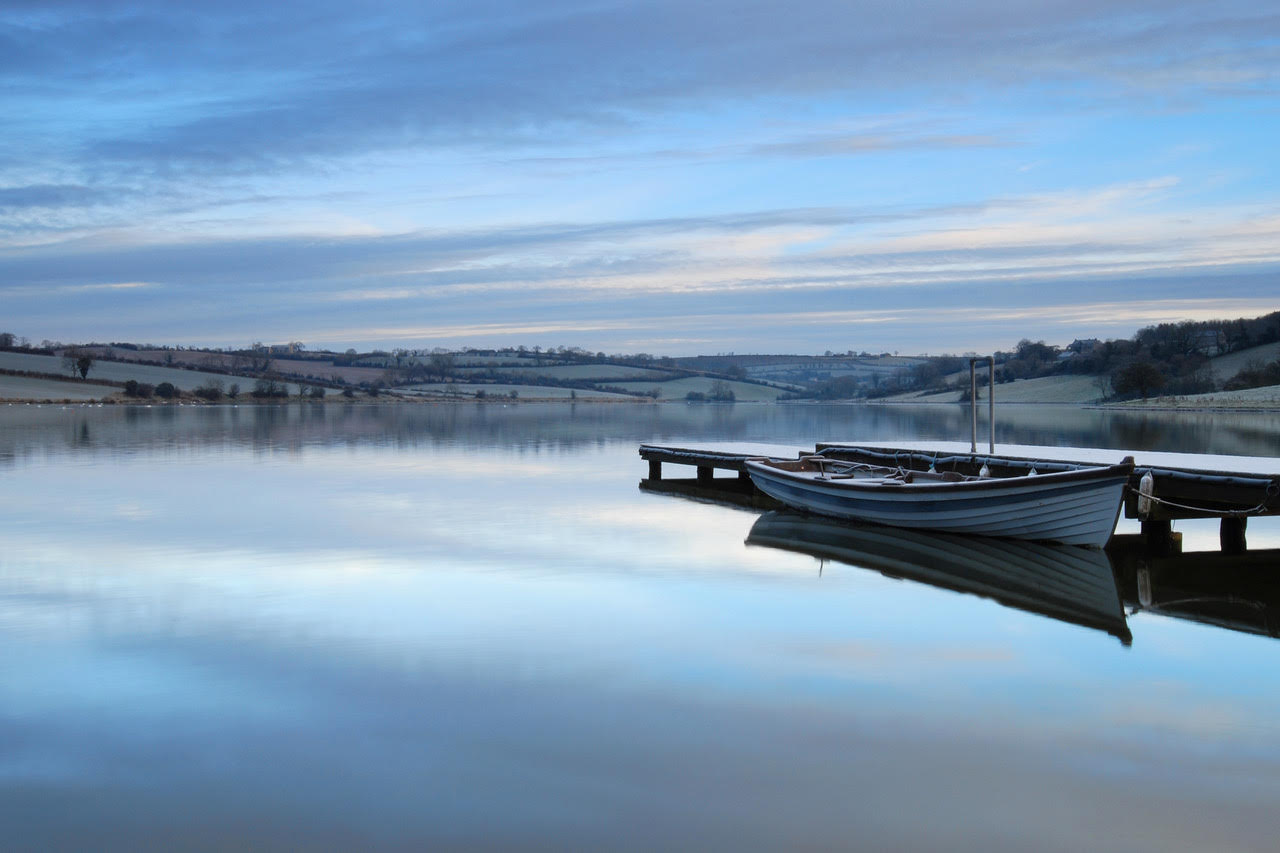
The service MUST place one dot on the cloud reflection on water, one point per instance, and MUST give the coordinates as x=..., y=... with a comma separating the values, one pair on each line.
x=376, y=640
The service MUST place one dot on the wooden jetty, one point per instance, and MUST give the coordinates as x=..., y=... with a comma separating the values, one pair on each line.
x=1164, y=487
x=738, y=490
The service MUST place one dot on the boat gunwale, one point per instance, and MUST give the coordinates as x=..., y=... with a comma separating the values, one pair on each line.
x=1083, y=474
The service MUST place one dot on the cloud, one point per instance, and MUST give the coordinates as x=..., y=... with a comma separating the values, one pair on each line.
x=248, y=86
x=53, y=196
x=28, y=291
x=1105, y=233
x=310, y=257
x=844, y=144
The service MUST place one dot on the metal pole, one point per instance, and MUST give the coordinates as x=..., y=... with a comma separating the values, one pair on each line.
x=973, y=405
x=991, y=399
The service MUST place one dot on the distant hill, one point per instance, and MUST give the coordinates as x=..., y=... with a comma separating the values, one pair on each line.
x=33, y=376
x=1076, y=388
x=1170, y=360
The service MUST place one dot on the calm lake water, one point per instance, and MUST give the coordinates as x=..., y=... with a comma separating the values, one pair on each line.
x=465, y=627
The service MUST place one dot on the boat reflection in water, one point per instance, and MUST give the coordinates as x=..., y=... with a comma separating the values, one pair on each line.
x=1066, y=583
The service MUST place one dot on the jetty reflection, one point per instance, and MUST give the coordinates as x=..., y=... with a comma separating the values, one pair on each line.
x=1238, y=592
x=1074, y=585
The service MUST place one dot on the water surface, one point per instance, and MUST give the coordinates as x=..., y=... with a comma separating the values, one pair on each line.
x=464, y=626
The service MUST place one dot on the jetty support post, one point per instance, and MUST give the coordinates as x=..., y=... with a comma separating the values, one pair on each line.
x=1159, y=538
x=705, y=474
x=655, y=469
x=1231, y=534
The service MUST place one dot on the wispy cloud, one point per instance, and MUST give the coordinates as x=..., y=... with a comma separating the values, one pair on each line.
x=1109, y=231
x=844, y=144
x=257, y=87
x=53, y=196
x=106, y=287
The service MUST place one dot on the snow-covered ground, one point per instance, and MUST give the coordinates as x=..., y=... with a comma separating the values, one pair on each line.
x=1045, y=389
x=36, y=388
x=1267, y=397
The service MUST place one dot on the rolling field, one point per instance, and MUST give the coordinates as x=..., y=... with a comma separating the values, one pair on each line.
x=213, y=361
x=1266, y=397
x=676, y=389
x=487, y=360
x=601, y=372
x=35, y=388
x=525, y=392
x=1226, y=366
x=325, y=369
x=1046, y=389
x=118, y=371
x=1062, y=389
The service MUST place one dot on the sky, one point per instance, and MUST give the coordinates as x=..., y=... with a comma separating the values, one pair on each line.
x=665, y=177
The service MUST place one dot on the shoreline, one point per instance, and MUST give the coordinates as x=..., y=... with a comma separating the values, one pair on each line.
x=1259, y=408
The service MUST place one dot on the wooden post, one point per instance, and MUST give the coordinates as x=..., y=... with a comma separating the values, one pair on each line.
x=973, y=405
x=655, y=469
x=991, y=401
x=1158, y=536
x=1231, y=534
x=705, y=473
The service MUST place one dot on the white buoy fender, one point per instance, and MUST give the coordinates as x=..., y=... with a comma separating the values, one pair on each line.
x=1146, y=488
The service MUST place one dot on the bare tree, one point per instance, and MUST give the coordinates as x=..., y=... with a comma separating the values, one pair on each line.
x=1143, y=377
x=77, y=361
x=721, y=391
x=1103, y=383
x=442, y=364
x=259, y=357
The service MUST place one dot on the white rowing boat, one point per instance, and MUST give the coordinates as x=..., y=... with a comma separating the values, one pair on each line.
x=1070, y=504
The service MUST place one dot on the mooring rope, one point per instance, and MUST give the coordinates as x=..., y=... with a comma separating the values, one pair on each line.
x=838, y=467
x=1224, y=513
